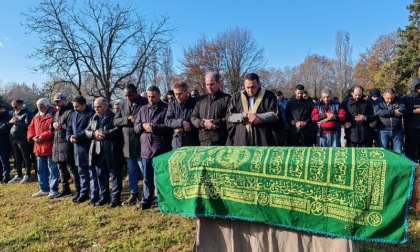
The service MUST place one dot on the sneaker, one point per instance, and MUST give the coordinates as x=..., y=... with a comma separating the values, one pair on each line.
x=52, y=195
x=16, y=179
x=64, y=194
x=13, y=170
x=26, y=179
x=40, y=194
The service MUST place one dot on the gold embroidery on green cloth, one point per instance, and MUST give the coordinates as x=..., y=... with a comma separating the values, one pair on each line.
x=359, y=192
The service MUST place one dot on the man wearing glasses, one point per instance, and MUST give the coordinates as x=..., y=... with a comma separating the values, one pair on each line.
x=21, y=118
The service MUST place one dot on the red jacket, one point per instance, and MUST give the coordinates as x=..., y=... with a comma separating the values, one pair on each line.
x=40, y=126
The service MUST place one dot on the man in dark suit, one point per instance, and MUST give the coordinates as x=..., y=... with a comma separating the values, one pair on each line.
x=75, y=134
x=124, y=119
x=105, y=152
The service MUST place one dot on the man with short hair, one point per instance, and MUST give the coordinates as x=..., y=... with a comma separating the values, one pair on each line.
x=298, y=116
x=154, y=140
x=412, y=121
x=359, y=114
x=209, y=114
x=328, y=114
x=178, y=117
x=254, y=115
x=4, y=146
x=40, y=134
x=75, y=134
x=18, y=124
x=125, y=119
x=105, y=152
x=390, y=111
x=62, y=149
x=116, y=106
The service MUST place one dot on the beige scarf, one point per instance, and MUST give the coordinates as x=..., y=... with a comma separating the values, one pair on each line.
x=257, y=103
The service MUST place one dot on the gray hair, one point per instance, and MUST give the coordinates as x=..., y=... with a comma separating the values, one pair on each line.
x=389, y=91
x=43, y=101
x=326, y=91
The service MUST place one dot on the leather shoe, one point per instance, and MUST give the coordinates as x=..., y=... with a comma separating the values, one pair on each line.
x=81, y=199
x=101, y=202
x=115, y=203
x=93, y=201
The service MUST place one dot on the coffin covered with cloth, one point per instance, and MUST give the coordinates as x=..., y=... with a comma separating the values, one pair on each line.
x=352, y=193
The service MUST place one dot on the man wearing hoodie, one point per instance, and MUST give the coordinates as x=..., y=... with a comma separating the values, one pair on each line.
x=412, y=121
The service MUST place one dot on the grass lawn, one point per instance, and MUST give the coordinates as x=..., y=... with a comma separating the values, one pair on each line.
x=42, y=224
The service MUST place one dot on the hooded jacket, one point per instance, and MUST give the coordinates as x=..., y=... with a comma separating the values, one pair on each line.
x=18, y=129
x=412, y=101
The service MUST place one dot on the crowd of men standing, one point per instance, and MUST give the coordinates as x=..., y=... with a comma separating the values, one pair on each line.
x=88, y=145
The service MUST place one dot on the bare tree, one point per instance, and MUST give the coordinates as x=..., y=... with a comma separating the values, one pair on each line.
x=343, y=64
x=241, y=55
x=29, y=94
x=232, y=54
x=93, y=45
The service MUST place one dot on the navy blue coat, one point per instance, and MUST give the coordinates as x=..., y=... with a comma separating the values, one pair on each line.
x=4, y=129
x=77, y=128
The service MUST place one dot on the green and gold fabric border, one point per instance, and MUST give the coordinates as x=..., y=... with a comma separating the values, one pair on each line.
x=355, y=193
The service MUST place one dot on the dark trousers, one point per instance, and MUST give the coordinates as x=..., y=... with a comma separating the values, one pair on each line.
x=365, y=143
x=88, y=180
x=103, y=171
x=412, y=144
x=22, y=152
x=4, y=161
x=148, y=181
x=67, y=170
x=302, y=138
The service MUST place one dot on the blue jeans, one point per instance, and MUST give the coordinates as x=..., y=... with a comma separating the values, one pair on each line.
x=148, y=181
x=47, y=174
x=385, y=138
x=328, y=140
x=4, y=161
x=133, y=165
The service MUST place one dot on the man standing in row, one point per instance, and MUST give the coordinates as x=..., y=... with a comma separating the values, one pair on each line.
x=390, y=111
x=62, y=149
x=209, y=114
x=412, y=121
x=254, y=115
x=154, y=140
x=105, y=152
x=79, y=120
x=178, y=117
x=4, y=146
x=21, y=118
x=328, y=114
x=125, y=119
x=298, y=116
x=359, y=114
x=40, y=134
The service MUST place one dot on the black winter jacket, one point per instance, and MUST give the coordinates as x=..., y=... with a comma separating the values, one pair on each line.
x=62, y=149
x=359, y=131
x=386, y=114
x=19, y=129
x=215, y=108
x=412, y=102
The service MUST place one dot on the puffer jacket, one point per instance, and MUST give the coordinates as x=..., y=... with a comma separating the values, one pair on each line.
x=40, y=126
x=19, y=129
x=62, y=149
x=387, y=120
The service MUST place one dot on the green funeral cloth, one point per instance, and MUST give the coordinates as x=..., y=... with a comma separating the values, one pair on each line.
x=354, y=193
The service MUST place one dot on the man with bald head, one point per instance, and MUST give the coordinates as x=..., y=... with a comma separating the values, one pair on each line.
x=359, y=114
x=105, y=152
